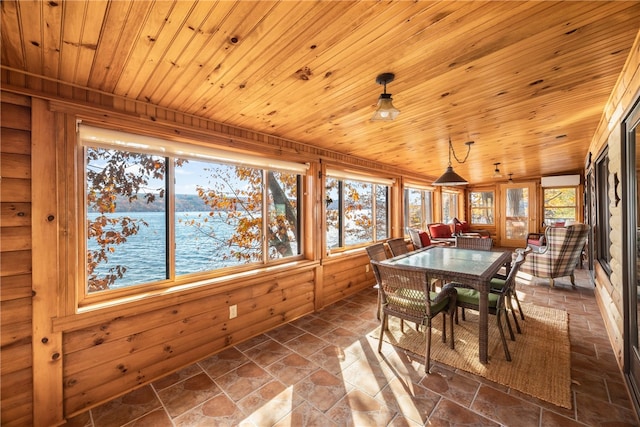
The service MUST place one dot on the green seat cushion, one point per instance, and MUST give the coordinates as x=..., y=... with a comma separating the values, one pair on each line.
x=414, y=300
x=497, y=283
x=471, y=296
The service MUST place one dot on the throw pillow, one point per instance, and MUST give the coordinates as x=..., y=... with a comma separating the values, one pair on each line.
x=440, y=231
x=424, y=239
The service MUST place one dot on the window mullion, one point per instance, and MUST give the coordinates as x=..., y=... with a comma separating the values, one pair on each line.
x=170, y=185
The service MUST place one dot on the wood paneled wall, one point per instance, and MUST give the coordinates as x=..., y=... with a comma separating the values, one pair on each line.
x=16, y=377
x=610, y=289
x=108, y=352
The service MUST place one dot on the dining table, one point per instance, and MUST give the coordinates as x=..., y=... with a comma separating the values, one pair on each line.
x=471, y=267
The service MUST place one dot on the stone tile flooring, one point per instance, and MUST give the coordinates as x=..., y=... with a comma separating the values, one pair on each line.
x=324, y=370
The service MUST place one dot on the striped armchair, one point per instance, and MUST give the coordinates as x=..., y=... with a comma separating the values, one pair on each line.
x=561, y=254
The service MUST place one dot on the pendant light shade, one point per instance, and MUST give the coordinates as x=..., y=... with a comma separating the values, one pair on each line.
x=449, y=177
x=386, y=110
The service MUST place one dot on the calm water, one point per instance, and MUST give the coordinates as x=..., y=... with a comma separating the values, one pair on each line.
x=144, y=254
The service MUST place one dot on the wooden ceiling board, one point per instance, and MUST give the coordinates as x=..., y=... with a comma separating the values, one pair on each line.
x=526, y=80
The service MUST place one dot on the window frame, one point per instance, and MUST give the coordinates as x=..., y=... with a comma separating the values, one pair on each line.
x=455, y=196
x=575, y=206
x=426, y=209
x=376, y=182
x=472, y=207
x=86, y=299
x=602, y=232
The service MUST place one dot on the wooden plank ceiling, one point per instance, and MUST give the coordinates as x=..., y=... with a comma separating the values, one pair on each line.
x=527, y=81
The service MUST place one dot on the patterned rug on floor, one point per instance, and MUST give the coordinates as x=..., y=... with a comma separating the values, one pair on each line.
x=541, y=358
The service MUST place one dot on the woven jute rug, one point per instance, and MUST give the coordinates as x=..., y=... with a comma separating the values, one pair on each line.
x=541, y=359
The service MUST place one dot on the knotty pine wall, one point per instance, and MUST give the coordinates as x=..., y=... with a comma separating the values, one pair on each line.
x=57, y=362
x=16, y=374
x=610, y=289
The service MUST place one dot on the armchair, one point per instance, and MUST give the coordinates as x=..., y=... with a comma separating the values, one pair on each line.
x=560, y=255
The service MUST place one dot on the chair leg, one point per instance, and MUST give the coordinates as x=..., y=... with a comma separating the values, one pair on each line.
x=513, y=313
x=379, y=304
x=573, y=280
x=508, y=322
x=551, y=282
x=515, y=295
x=507, y=355
x=453, y=340
x=383, y=326
x=427, y=353
x=444, y=327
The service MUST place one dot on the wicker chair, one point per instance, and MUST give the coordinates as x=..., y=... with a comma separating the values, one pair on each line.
x=398, y=246
x=560, y=255
x=483, y=244
x=377, y=252
x=499, y=281
x=405, y=295
x=499, y=301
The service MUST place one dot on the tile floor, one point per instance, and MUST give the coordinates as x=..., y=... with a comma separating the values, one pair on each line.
x=324, y=370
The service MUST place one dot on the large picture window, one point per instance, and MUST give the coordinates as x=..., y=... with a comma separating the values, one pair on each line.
x=357, y=211
x=449, y=206
x=151, y=219
x=418, y=208
x=560, y=205
x=482, y=205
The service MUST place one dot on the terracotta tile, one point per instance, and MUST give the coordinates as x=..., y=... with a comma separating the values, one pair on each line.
x=270, y=403
x=306, y=344
x=223, y=362
x=127, y=408
x=243, y=381
x=592, y=411
x=322, y=389
x=315, y=325
x=308, y=416
x=333, y=358
x=157, y=418
x=504, y=408
x=252, y=342
x=449, y=413
x=292, y=368
x=359, y=409
x=553, y=419
x=219, y=411
x=81, y=420
x=458, y=388
x=266, y=353
x=187, y=394
x=413, y=402
x=284, y=333
x=367, y=376
x=175, y=377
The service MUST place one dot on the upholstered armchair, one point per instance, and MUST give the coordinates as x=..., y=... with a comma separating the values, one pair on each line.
x=560, y=255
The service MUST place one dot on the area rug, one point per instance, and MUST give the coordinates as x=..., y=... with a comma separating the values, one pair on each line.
x=541, y=358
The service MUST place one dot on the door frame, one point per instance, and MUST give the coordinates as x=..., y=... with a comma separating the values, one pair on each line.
x=629, y=128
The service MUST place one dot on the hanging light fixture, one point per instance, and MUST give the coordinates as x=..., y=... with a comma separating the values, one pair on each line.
x=386, y=110
x=496, y=172
x=449, y=177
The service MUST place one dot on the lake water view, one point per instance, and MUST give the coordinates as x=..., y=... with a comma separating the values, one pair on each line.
x=144, y=254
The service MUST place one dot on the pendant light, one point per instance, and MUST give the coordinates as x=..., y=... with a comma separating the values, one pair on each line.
x=449, y=177
x=496, y=172
x=386, y=111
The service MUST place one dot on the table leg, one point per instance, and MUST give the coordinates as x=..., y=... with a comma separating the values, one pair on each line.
x=483, y=326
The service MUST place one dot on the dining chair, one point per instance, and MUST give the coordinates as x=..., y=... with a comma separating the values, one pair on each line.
x=406, y=295
x=377, y=252
x=499, y=301
x=499, y=281
x=398, y=246
x=479, y=243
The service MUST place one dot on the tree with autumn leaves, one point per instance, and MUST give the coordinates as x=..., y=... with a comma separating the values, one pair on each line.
x=114, y=176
